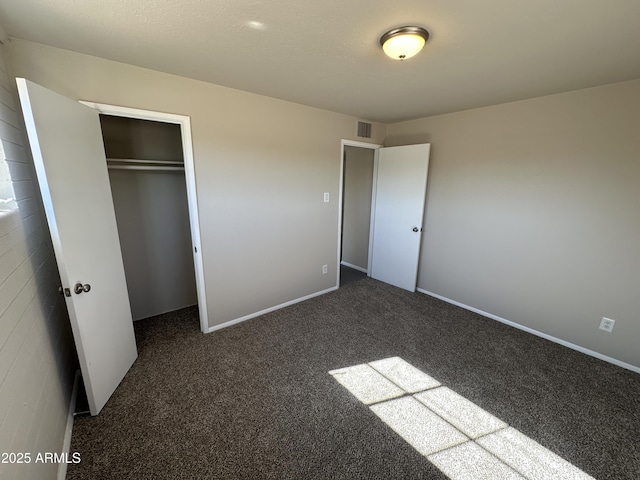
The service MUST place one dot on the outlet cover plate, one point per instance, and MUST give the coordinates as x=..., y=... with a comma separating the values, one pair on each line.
x=607, y=324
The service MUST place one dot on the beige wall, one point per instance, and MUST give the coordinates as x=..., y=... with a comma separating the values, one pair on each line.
x=37, y=359
x=155, y=238
x=261, y=166
x=533, y=213
x=531, y=208
x=356, y=216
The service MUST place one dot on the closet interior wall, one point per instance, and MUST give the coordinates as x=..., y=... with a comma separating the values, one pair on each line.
x=356, y=213
x=150, y=199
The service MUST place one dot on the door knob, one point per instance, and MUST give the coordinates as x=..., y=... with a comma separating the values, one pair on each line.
x=415, y=229
x=78, y=288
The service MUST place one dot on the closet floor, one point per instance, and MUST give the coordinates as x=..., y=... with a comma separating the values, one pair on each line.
x=349, y=275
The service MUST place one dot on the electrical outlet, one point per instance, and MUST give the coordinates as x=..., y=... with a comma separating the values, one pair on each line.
x=326, y=197
x=325, y=269
x=607, y=324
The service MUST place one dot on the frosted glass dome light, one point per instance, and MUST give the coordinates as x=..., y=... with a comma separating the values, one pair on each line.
x=404, y=42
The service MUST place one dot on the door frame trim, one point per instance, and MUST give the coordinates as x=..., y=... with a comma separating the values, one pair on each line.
x=371, y=146
x=189, y=171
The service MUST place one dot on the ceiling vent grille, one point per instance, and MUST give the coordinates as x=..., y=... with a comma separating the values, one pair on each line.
x=364, y=130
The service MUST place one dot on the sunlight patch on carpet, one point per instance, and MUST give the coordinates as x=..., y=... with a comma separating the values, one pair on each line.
x=366, y=384
x=405, y=375
x=470, y=461
x=463, y=440
x=463, y=414
x=528, y=457
x=416, y=424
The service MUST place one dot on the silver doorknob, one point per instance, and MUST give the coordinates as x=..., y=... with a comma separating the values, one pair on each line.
x=78, y=288
x=416, y=229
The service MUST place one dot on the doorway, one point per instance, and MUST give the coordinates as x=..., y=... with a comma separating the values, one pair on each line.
x=163, y=145
x=357, y=192
x=146, y=175
x=396, y=215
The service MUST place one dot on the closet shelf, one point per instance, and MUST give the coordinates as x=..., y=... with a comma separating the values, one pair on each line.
x=153, y=165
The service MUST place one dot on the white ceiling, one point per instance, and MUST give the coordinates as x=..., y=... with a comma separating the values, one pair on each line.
x=326, y=53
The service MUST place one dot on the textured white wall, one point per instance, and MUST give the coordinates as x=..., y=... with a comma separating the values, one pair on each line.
x=533, y=213
x=37, y=358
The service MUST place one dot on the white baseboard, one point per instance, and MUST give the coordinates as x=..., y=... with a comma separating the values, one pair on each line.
x=66, y=444
x=355, y=267
x=564, y=343
x=267, y=310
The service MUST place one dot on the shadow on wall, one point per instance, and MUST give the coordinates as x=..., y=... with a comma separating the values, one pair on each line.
x=410, y=139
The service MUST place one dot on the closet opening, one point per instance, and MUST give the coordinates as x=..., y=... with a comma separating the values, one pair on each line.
x=146, y=165
x=357, y=194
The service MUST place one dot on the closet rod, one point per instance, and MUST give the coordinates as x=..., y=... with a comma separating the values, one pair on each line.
x=131, y=160
x=146, y=167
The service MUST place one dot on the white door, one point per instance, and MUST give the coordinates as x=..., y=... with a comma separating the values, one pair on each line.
x=401, y=187
x=68, y=153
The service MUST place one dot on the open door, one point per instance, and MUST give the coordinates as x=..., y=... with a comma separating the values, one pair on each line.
x=68, y=154
x=399, y=209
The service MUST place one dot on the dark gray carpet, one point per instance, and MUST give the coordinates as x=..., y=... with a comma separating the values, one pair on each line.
x=254, y=401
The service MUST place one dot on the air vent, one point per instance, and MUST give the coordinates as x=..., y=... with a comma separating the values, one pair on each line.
x=364, y=130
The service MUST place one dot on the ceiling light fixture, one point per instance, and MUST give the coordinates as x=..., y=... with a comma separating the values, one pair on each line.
x=404, y=42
